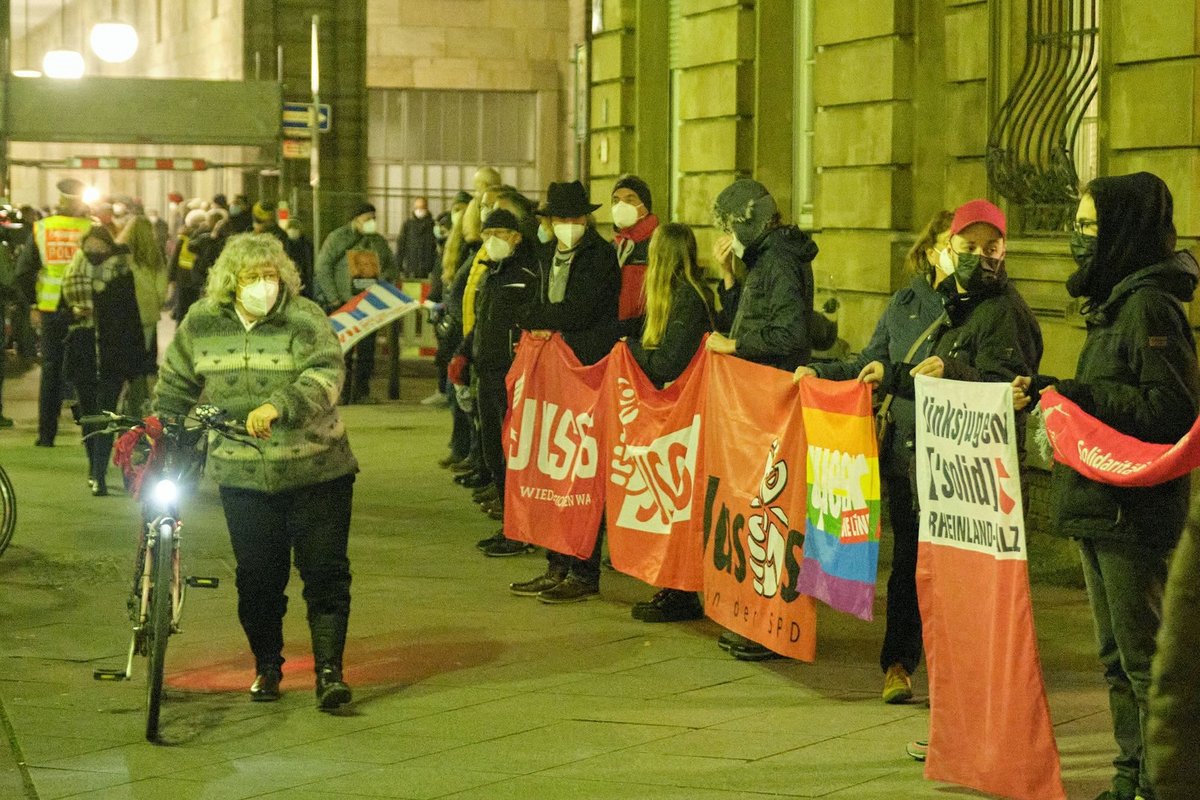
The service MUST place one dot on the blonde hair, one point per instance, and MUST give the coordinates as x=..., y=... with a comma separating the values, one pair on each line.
x=915, y=261
x=672, y=257
x=143, y=244
x=244, y=251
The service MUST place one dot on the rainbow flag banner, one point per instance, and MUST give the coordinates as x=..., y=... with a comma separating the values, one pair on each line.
x=369, y=311
x=841, y=535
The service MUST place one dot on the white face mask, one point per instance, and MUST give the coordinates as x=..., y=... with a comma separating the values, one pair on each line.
x=569, y=233
x=259, y=297
x=738, y=248
x=293, y=233
x=945, y=261
x=545, y=235
x=498, y=249
x=624, y=214
x=369, y=227
x=420, y=213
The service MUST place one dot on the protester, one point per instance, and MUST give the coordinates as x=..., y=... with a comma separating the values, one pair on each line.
x=578, y=298
x=187, y=283
x=1172, y=747
x=40, y=271
x=680, y=308
x=416, y=249
x=353, y=258
x=150, y=283
x=510, y=285
x=265, y=214
x=293, y=499
x=105, y=347
x=903, y=334
x=634, y=224
x=769, y=314
x=1137, y=373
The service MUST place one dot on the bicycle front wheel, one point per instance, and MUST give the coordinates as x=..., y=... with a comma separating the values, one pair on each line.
x=8, y=510
x=158, y=623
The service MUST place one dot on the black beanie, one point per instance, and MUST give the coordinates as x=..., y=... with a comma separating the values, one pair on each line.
x=364, y=208
x=638, y=186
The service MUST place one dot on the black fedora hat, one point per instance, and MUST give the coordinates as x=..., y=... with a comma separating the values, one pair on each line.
x=567, y=199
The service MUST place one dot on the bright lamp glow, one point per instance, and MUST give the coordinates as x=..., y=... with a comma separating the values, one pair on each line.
x=114, y=42
x=165, y=493
x=65, y=64
x=91, y=195
x=27, y=73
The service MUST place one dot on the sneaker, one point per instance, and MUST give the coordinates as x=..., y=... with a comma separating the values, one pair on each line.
x=569, y=590
x=916, y=750
x=897, y=685
x=484, y=544
x=669, y=605
x=753, y=651
x=728, y=639
x=486, y=494
x=507, y=547
x=435, y=399
x=538, y=585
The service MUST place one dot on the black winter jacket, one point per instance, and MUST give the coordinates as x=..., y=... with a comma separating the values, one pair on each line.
x=587, y=315
x=416, y=248
x=688, y=320
x=507, y=288
x=986, y=337
x=1137, y=373
x=909, y=313
x=771, y=309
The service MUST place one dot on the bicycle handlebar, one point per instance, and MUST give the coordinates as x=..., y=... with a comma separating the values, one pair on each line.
x=209, y=418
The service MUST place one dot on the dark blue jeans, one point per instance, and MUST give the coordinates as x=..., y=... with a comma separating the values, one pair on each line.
x=265, y=528
x=1125, y=584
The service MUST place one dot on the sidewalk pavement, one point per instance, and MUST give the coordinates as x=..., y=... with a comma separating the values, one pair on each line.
x=462, y=690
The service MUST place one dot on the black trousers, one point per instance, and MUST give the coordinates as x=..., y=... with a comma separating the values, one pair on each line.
x=360, y=366
x=492, y=404
x=50, y=392
x=265, y=529
x=94, y=397
x=902, y=636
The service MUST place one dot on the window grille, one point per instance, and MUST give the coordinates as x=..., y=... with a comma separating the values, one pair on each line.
x=1032, y=146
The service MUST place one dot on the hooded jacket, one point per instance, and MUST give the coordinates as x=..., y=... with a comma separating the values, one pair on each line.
x=335, y=284
x=772, y=307
x=1137, y=373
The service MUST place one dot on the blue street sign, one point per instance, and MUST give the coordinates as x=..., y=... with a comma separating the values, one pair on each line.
x=297, y=117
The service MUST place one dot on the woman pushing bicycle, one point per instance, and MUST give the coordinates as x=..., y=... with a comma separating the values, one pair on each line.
x=260, y=351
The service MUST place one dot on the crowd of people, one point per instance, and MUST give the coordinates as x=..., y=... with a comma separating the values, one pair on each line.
x=502, y=265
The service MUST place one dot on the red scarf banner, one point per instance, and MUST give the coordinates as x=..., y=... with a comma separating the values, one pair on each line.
x=1096, y=451
x=989, y=725
x=654, y=498
x=753, y=464
x=554, y=491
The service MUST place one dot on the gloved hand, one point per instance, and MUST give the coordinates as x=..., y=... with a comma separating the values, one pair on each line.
x=464, y=398
x=456, y=370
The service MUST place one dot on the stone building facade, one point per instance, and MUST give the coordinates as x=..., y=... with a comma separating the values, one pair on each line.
x=866, y=117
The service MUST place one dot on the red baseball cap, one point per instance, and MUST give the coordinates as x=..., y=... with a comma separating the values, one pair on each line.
x=978, y=211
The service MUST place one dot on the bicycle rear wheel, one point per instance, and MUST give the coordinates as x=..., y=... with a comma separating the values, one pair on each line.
x=8, y=510
x=158, y=623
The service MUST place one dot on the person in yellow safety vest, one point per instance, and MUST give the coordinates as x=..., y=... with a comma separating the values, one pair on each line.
x=56, y=238
x=186, y=286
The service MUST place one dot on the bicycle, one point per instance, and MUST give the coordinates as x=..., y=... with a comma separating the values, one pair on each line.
x=175, y=459
x=8, y=510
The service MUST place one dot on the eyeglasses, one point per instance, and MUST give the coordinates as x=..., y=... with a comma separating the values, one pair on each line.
x=250, y=278
x=1084, y=226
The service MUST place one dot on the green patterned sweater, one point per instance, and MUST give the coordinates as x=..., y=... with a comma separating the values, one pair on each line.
x=291, y=359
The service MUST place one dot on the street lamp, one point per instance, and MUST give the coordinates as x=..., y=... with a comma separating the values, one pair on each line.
x=63, y=63
x=114, y=42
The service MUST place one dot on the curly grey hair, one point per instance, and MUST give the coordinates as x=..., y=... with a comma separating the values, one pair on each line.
x=246, y=251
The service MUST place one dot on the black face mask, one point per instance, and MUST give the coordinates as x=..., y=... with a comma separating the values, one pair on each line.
x=1083, y=248
x=96, y=257
x=979, y=273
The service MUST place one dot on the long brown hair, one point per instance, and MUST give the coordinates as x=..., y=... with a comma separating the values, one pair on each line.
x=916, y=262
x=672, y=256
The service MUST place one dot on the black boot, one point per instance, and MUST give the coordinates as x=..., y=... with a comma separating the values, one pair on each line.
x=328, y=642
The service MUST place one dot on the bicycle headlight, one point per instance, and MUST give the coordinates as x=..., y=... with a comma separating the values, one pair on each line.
x=165, y=493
